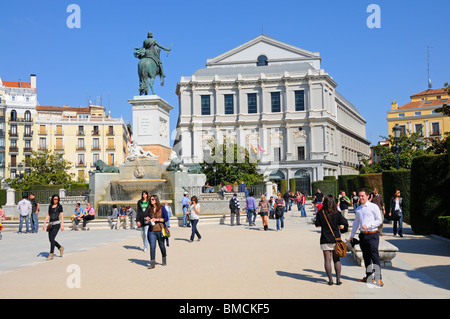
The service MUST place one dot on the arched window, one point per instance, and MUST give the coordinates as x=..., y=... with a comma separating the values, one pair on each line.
x=13, y=115
x=262, y=60
x=27, y=116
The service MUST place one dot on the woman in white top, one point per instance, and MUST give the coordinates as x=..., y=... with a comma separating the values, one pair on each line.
x=194, y=216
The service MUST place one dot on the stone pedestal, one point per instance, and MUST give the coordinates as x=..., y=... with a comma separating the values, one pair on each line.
x=151, y=129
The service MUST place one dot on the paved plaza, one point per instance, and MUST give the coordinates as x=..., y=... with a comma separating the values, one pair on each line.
x=230, y=262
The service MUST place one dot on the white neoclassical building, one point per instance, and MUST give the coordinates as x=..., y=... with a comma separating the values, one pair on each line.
x=274, y=99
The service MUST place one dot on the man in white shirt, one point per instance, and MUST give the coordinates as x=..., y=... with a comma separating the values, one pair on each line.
x=24, y=207
x=367, y=219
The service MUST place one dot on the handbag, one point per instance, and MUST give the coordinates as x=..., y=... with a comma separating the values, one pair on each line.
x=340, y=249
x=397, y=214
x=165, y=231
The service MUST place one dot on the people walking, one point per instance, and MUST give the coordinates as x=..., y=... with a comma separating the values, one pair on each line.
x=158, y=217
x=264, y=208
x=143, y=217
x=367, y=219
x=303, y=204
x=279, y=209
x=331, y=221
x=250, y=206
x=355, y=200
x=185, y=206
x=396, y=210
x=194, y=215
x=34, y=218
x=234, y=210
x=55, y=220
x=24, y=208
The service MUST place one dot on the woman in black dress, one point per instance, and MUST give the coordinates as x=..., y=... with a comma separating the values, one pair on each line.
x=55, y=219
x=330, y=212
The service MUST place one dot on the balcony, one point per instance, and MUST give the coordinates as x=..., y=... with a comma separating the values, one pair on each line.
x=80, y=133
x=28, y=134
x=20, y=120
x=81, y=148
x=96, y=132
x=12, y=133
x=13, y=149
x=27, y=150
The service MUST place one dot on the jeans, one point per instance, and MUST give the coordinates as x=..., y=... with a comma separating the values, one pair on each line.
x=303, y=211
x=185, y=222
x=238, y=216
x=250, y=213
x=34, y=222
x=26, y=223
x=154, y=236
x=194, y=232
x=51, y=237
x=398, y=229
x=299, y=205
x=355, y=206
x=144, y=231
x=280, y=220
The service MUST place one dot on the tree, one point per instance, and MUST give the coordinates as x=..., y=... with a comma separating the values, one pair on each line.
x=413, y=146
x=235, y=166
x=45, y=169
x=445, y=109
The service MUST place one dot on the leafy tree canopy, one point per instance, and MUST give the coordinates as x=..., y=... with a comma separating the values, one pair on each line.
x=45, y=169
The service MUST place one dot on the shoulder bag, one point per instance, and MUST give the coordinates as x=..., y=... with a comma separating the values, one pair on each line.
x=340, y=249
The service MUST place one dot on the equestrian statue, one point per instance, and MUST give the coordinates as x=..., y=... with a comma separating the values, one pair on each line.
x=150, y=64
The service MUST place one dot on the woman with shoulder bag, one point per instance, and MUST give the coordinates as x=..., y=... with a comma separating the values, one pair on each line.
x=396, y=211
x=331, y=221
x=158, y=218
x=279, y=211
x=55, y=219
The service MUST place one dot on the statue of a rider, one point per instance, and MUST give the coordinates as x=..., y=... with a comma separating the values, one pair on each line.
x=150, y=49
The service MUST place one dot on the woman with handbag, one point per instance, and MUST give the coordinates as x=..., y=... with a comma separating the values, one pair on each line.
x=330, y=219
x=396, y=212
x=55, y=220
x=158, y=218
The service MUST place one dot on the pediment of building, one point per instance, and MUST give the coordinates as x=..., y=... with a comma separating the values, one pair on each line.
x=274, y=50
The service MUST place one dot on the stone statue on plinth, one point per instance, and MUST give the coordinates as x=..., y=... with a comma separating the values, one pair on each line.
x=149, y=65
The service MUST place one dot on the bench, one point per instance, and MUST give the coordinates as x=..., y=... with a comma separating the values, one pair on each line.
x=386, y=250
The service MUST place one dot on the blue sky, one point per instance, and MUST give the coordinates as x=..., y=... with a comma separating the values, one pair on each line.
x=372, y=67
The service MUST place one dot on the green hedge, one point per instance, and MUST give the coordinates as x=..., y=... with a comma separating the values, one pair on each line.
x=283, y=186
x=343, y=183
x=393, y=180
x=327, y=187
x=292, y=187
x=430, y=183
x=444, y=226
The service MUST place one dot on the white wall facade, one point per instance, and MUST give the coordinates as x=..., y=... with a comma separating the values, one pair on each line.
x=327, y=127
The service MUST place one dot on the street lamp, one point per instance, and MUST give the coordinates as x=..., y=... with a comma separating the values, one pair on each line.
x=397, y=130
x=359, y=162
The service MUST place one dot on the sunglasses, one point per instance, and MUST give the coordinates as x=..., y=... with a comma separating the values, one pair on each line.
x=152, y=199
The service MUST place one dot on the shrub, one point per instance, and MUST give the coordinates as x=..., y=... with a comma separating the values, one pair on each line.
x=444, y=226
x=292, y=187
x=430, y=183
x=283, y=186
x=327, y=187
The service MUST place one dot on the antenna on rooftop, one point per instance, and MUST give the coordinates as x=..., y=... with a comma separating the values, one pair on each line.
x=428, y=68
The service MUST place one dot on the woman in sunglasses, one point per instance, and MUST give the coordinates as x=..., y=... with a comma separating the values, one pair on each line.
x=55, y=219
x=158, y=217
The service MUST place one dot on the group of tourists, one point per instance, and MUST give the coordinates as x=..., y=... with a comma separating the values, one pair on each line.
x=82, y=215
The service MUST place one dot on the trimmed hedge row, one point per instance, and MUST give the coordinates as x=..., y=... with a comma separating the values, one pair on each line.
x=350, y=183
x=430, y=182
x=327, y=187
